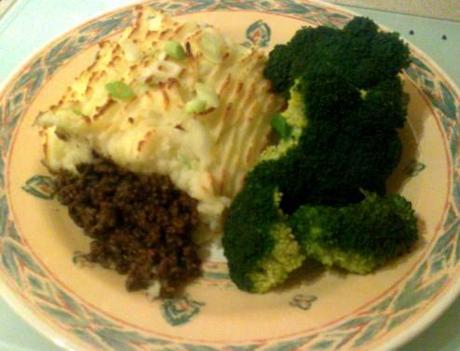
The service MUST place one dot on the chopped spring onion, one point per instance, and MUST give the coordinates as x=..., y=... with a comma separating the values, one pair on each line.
x=212, y=46
x=280, y=125
x=195, y=106
x=119, y=90
x=175, y=50
x=77, y=112
x=207, y=94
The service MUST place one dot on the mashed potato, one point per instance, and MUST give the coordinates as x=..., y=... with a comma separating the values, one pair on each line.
x=179, y=99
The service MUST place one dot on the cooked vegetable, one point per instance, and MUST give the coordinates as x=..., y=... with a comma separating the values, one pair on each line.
x=360, y=54
x=359, y=237
x=351, y=140
x=349, y=143
x=212, y=46
x=175, y=50
x=345, y=106
x=208, y=95
x=195, y=106
x=258, y=243
x=119, y=90
x=281, y=126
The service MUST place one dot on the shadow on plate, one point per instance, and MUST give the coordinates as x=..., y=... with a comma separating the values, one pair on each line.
x=410, y=165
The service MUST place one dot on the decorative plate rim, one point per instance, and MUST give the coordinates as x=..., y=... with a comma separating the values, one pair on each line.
x=433, y=311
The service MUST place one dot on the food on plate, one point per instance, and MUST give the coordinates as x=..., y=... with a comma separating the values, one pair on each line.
x=168, y=97
x=360, y=53
x=359, y=237
x=140, y=224
x=320, y=192
x=164, y=104
x=170, y=131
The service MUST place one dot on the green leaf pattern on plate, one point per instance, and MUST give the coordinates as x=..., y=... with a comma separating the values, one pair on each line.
x=41, y=186
x=303, y=301
x=258, y=34
x=180, y=310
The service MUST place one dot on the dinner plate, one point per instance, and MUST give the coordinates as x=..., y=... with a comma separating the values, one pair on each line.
x=87, y=308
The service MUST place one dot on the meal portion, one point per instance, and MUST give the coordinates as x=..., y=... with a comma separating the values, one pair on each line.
x=320, y=192
x=140, y=224
x=176, y=131
x=165, y=98
x=174, y=98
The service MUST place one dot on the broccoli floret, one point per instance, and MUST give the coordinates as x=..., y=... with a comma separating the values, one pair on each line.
x=358, y=237
x=345, y=143
x=353, y=103
x=343, y=87
x=360, y=54
x=259, y=245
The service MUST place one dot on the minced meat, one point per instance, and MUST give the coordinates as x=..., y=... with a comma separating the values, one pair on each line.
x=140, y=225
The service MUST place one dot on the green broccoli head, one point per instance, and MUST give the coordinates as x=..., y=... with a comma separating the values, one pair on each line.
x=278, y=69
x=359, y=237
x=378, y=55
x=349, y=142
x=289, y=61
x=259, y=245
x=360, y=54
x=284, y=257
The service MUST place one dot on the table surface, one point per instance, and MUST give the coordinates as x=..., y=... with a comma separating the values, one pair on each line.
x=445, y=9
x=60, y=16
